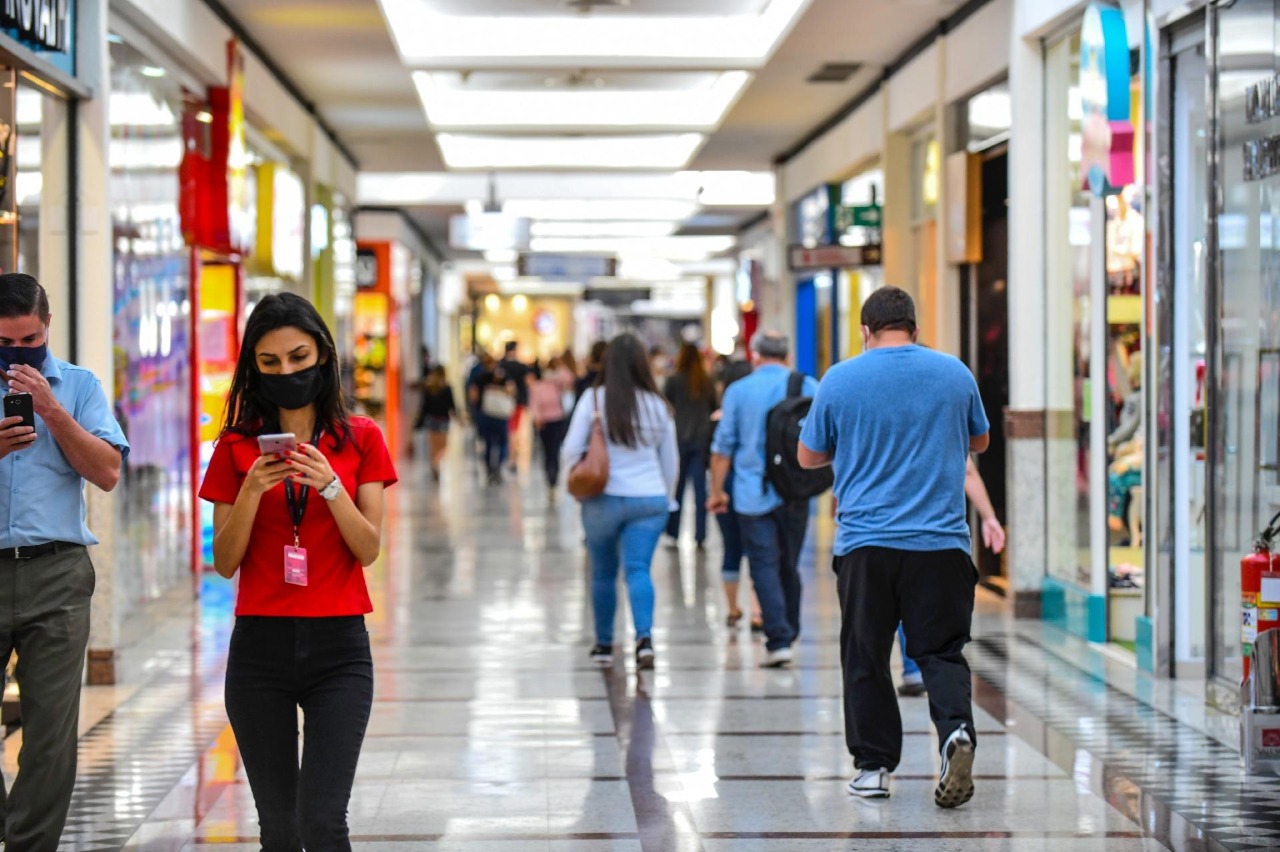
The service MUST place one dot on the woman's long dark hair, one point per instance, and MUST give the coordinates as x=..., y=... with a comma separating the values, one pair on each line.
x=245, y=413
x=624, y=374
x=694, y=371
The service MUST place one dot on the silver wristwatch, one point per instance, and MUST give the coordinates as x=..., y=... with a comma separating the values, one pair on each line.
x=331, y=491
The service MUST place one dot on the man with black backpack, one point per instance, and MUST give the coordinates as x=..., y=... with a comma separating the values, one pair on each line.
x=770, y=492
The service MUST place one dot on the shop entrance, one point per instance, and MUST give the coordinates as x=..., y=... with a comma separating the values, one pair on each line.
x=984, y=333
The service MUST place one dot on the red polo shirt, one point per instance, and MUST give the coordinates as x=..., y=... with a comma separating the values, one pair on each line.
x=335, y=578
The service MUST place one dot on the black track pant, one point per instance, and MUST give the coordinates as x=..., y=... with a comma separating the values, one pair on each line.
x=931, y=593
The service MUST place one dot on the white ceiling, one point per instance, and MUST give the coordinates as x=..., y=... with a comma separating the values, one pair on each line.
x=342, y=56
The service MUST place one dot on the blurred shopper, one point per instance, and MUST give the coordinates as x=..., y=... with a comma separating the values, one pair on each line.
x=902, y=541
x=594, y=361
x=772, y=530
x=484, y=363
x=518, y=375
x=693, y=397
x=659, y=364
x=624, y=523
x=550, y=416
x=435, y=413
x=992, y=538
x=727, y=520
x=298, y=526
x=46, y=577
x=570, y=362
x=494, y=397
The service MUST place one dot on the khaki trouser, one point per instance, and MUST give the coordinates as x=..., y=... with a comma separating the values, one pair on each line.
x=44, y=617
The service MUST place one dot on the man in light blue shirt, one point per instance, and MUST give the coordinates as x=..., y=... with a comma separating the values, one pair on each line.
x=772, y=530
x=46, y=578
x=898, y=423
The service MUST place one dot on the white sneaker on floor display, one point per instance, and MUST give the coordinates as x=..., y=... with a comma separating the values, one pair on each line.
x=777, y=659
x=870, y=784
x=955, y=786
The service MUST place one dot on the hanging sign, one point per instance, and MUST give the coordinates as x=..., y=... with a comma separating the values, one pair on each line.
x=1107, y=128
x=833, y=257
x=44, y=24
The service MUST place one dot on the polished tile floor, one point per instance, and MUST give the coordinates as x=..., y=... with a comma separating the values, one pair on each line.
x=492, y=732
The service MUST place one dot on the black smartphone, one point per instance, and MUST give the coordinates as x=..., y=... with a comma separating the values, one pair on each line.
x=19, y=404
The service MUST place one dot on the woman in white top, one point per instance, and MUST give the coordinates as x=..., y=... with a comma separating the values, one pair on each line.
x=624, y=523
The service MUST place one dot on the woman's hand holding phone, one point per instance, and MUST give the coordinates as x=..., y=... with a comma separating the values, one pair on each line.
x=310, y=467
x=266, y=473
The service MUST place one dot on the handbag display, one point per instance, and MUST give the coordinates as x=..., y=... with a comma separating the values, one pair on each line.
x=497, y=403
x=590, y=475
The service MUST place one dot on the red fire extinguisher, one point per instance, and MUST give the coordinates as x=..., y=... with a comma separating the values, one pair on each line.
x=1259, y=590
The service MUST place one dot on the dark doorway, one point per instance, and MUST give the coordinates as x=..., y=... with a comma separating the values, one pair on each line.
x=985, y=339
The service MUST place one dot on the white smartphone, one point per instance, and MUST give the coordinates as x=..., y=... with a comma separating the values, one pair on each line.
x=279, y=444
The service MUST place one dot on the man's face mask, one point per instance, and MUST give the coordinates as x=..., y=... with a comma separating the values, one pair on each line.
x=32, y=356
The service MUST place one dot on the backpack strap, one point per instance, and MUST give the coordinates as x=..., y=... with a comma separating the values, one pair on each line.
x=795, y=384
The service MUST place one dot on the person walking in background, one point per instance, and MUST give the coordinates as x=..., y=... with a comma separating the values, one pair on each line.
x=471, y=392
x=298, y=526
x=595, y=360
x=518, y=375
x=435, y=412
x=550, y=417
x=624, y=523
x=772, y=530
x=730, y=532
x=494, y=398
x=901, y=552
x=693, y=397
x=46, y=576
x=992, y=538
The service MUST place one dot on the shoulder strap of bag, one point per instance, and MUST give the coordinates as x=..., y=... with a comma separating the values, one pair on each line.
x=795, y=384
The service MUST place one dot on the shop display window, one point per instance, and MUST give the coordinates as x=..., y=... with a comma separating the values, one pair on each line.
x=151, y=320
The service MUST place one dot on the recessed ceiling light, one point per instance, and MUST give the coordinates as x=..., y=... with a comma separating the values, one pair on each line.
x=603, y=229
x=669, y=248
x=601, y=209
x=455, y=108
x=665, y=151
x=426, y=39
x=151, y=71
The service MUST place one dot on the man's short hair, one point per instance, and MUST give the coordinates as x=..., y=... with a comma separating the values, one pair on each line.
x=21, y=296
x=889, y=309
x=771, y=344
x=510, y=347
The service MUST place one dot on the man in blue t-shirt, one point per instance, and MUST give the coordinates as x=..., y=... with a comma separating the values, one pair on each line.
x=898, y=424
x=772, y=529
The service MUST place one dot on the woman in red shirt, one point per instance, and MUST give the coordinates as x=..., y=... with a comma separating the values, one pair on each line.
x=298, y=527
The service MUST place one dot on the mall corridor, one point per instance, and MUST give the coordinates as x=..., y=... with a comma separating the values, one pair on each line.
x=492, y=732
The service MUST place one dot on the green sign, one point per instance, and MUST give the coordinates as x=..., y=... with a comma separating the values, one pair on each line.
x=860, y=216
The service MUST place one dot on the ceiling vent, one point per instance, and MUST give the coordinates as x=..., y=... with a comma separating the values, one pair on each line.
x=835, y=72
x=585, y=6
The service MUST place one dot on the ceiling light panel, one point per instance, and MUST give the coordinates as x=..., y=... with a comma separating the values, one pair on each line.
x=450, y=107
x=603, y=229
x=663, y=151
x=428, y=39
x=668, y=248
x=601, y=210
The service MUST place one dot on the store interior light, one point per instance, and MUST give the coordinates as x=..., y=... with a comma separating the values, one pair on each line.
x=991, y=110
x=204, y=117
x=151, y=71
x=427, y=38
x=601, y=209
x=501, y=255
x=603, y=229
x=453, y=107
x=520, y=303
x=653, y=151
x=492, y=303
x=670, y=248
x=139, y=109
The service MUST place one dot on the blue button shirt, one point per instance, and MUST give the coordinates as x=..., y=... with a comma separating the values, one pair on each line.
x=41, y=494
x=741, y=434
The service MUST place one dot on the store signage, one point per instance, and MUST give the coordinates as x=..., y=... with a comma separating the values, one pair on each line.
x=566, y=267
x=1262, y=103
x=45, y=24
x=1262, y=100
x=366, y=268
x=833, y=257
x=1107, y=127
x=489, y=232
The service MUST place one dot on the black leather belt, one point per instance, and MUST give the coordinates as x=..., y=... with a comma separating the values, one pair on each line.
x=35, y=551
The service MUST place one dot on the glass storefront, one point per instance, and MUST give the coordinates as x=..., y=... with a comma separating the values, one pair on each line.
x=152, y=316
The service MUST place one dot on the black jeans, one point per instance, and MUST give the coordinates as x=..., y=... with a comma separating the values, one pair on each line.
x=772, y=543
x=552, y=437
x=322, y=665
x=931, y=592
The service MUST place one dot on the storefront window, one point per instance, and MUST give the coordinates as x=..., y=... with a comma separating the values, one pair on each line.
x=152, y=317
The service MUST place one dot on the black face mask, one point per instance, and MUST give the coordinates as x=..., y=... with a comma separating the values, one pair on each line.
x=289, y=391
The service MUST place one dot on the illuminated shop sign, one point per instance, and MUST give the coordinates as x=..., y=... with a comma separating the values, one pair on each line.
x=45, y=24
x=1107, y=127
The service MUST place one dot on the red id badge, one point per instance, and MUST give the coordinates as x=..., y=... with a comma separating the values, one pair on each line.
x=295, y=565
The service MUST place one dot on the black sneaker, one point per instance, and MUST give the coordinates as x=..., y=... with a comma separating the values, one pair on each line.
x=602, y=655
x=644, y=654
x=955, y=786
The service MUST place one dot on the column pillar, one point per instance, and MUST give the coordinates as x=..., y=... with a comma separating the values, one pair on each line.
x=1026, y=418
x=777, y=306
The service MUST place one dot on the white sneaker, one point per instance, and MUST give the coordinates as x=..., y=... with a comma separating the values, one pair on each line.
x=781, y=658
x=955, y=786
x=870, y=784
x=670, y=543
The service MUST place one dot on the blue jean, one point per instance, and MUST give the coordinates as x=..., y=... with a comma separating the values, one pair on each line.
x=496, y=439
x=731, y=535
x=772, y=543
x=909, y=666
x=693, y=465
x=622, y=531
